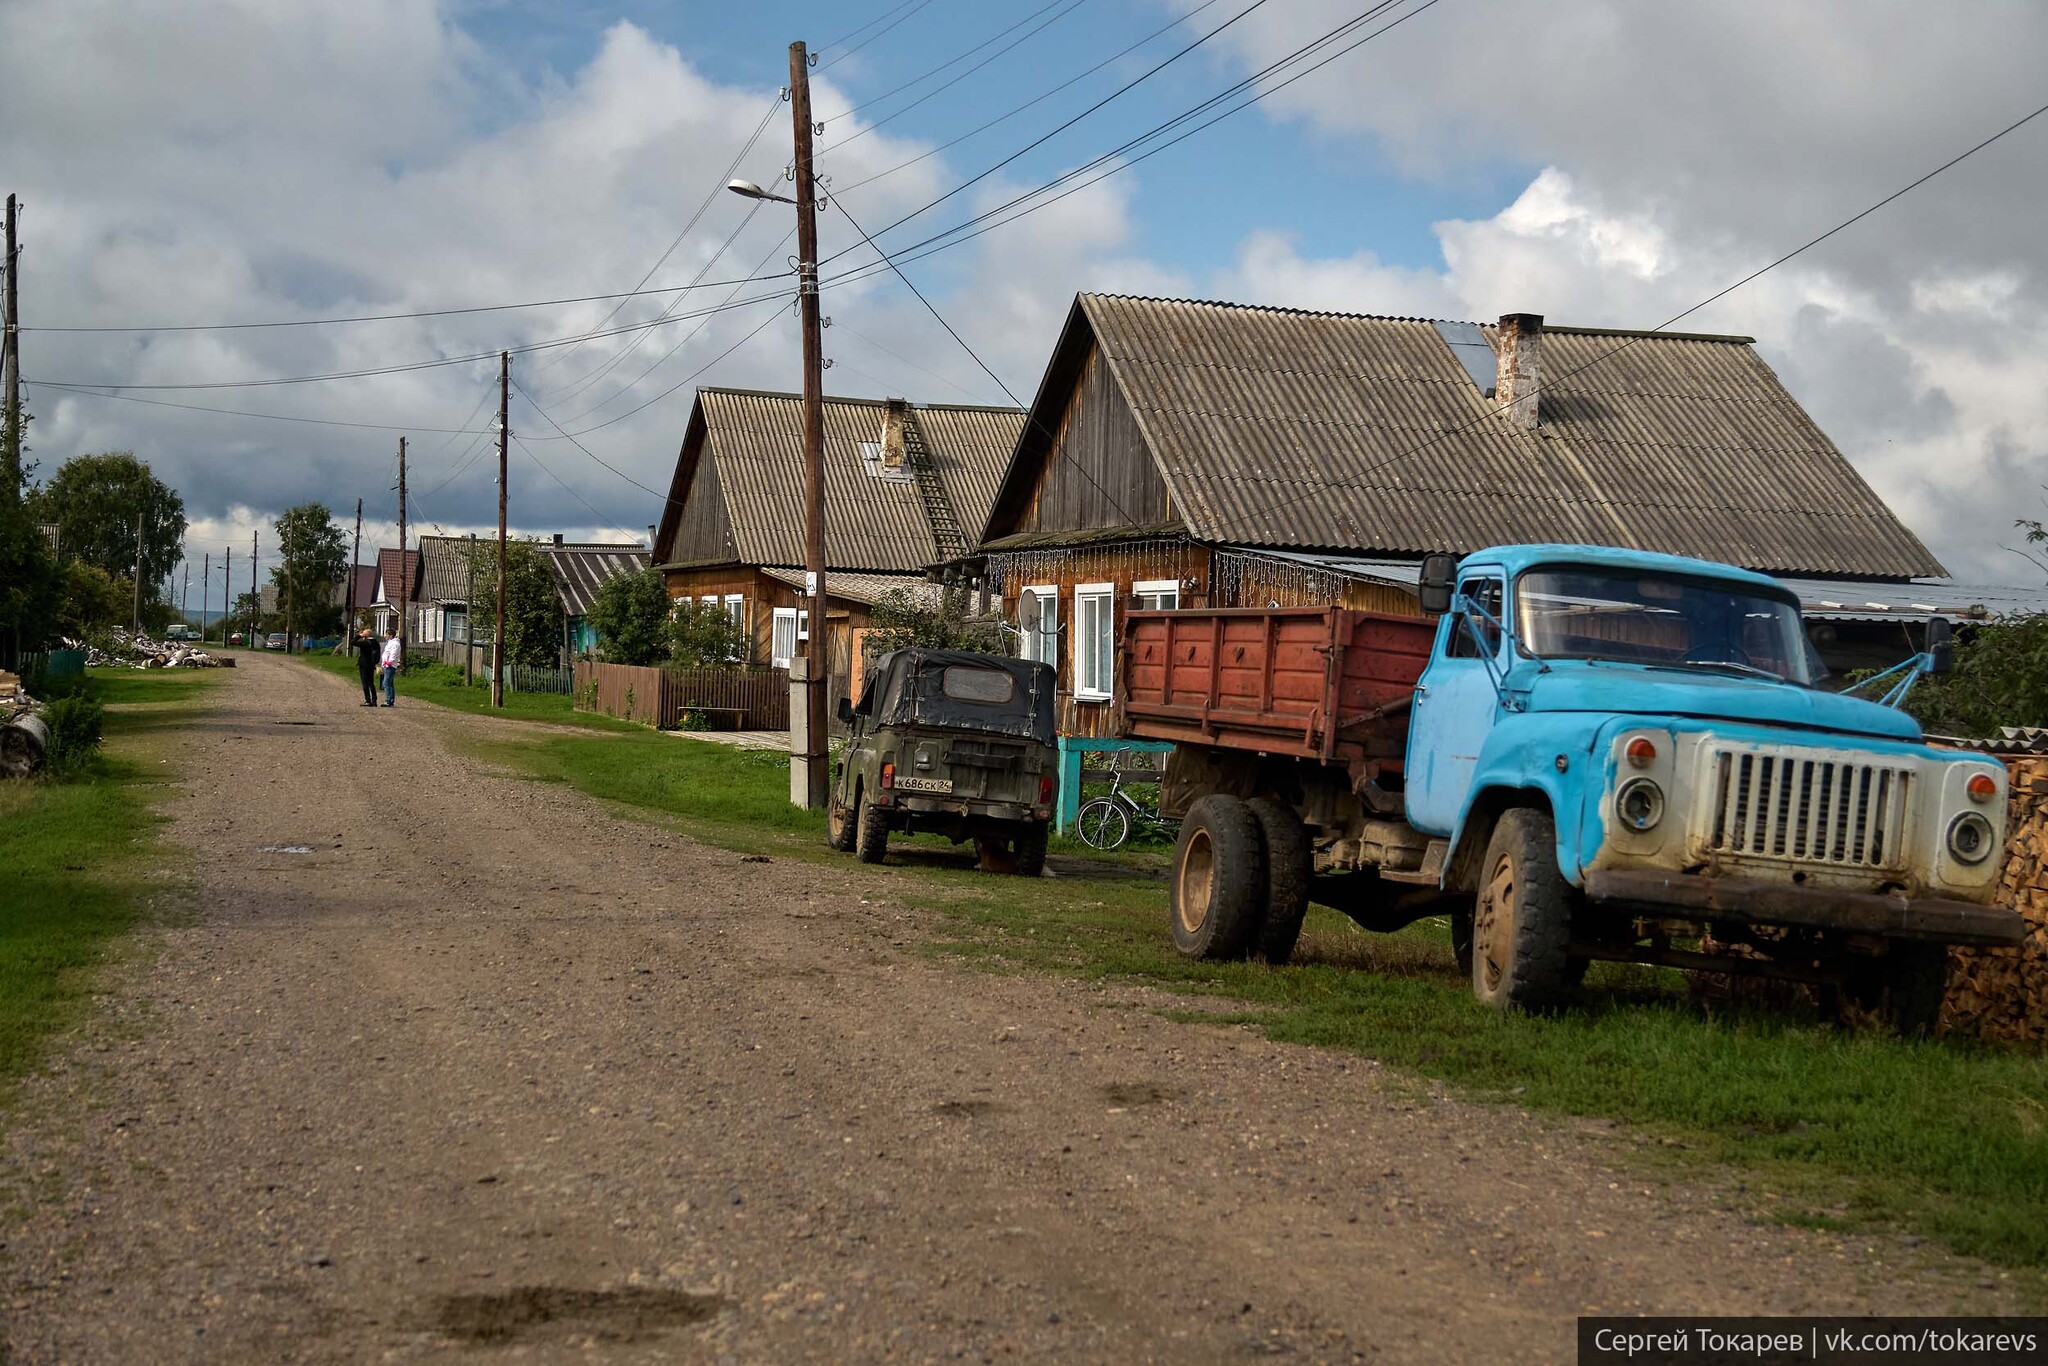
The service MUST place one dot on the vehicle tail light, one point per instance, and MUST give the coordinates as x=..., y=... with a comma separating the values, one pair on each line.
x=1642, y=751
x=1045, y=791
x=888, y=776
x=1982, y=787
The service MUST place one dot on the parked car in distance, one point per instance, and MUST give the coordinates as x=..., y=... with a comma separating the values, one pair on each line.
x=179, y=631
x=953, y=743
x=235, y=639
x=274, y=641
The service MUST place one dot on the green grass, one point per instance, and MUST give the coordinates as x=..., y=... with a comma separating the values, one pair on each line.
x=442, y=685
x=1827, y=1129
x=74, y=854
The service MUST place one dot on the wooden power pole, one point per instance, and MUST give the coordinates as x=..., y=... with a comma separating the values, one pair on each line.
x=504, y=437
x=348, y=627
x=10, y=368
x=404, y=578
x=205, y=590
x=815, y=655
x=138, y=573
x=227, y=592
x=255, y=598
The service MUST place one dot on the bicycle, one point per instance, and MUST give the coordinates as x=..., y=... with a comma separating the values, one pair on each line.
x=1106, y=822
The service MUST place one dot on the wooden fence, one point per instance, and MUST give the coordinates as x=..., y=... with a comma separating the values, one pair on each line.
x=723, y=699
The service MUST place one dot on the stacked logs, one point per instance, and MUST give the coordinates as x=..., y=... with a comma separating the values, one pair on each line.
x=2002, y=994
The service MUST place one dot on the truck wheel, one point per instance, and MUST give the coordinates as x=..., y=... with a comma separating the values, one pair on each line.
x=1219, y=880
x=1904, y=989
x=839, y=829
x=1031, y=849
x=1521, y=926
x=1288, y=870
x=871, y=835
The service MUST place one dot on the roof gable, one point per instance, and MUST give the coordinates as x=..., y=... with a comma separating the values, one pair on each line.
x=1290, y=429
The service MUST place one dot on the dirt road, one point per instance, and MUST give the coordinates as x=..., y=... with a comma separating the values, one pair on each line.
x=491, y=1070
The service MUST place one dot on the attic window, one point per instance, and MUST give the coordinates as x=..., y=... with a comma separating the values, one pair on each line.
x=1473, y=351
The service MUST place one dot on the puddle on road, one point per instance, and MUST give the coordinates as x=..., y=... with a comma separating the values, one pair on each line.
x=294, y=723
x=1131, y=1093
x=633, y=1314
x=286, y=849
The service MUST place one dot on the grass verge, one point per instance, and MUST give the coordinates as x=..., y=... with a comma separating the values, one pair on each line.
x=73, y=853
x=442, y=685
x=1830, y=1129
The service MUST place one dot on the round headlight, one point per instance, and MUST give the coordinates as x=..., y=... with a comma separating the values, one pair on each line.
x=1970, y=838
x=1640, y=804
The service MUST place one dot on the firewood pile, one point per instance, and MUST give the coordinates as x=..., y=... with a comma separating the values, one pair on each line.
x=2002, y=994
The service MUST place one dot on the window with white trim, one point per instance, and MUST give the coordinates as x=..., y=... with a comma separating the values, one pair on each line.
x=1094, y=641
x=1156, y=595
x=791, y=627
x=736, y=608
x=1038, y=618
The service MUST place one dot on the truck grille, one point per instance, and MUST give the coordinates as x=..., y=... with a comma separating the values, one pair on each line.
x=1792, y=805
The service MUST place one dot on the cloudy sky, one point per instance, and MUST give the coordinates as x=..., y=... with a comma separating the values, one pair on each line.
x=1603, y=162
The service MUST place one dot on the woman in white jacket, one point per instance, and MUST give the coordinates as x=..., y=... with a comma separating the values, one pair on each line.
x=388, y=667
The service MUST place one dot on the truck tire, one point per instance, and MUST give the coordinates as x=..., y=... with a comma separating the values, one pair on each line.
x=1218, y=891
x=1288, y=870
x=871, y=833
x=1031, y=849
x=1521, y=926
x=1903, y=989
x=839, y=826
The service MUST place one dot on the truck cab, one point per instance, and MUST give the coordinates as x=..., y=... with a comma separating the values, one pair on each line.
x=1606, y=738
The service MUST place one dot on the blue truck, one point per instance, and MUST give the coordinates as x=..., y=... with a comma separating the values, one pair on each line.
x=1587, y=754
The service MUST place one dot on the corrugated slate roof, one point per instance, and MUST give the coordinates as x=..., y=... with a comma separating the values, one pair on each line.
x=755, y=441
x=580, y=570
x=388, y=575
x=1333, y=431
x=867, y=589
x=444, y=568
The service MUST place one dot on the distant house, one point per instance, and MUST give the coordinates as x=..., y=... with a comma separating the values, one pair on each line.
x=580, y=570
x=1187, y=453
x=907, y=486
x=396, y=591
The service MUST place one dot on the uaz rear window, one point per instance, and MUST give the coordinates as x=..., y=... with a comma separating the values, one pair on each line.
x=966, y=683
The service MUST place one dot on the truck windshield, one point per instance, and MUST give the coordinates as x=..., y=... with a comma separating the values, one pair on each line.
x=1672, y=620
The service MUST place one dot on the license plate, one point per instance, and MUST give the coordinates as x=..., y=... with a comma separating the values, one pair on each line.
x=924, y=784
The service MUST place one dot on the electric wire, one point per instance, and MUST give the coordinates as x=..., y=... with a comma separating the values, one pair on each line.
x=913, y=9
x=903, y=87
x=602, y=520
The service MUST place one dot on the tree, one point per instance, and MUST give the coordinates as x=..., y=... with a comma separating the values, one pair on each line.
x=630, y=616
x=704, y=635
x=94, y=501
x=94, y=601
x=533, y=607
x=2000, y=679
x=249, y=608
x=902, y=618
x=312, y=560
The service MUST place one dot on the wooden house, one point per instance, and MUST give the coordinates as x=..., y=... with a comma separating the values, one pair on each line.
x=907, y=486
x=1187, y=453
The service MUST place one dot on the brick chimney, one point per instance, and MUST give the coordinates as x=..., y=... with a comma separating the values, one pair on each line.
x=1521, y=368
x=894, y=411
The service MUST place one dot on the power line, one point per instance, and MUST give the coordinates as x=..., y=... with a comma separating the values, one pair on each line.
x=79, y=392
x=904, y=86
x=914, y=8
x=849, y=37
x=1719, y=294
x=602, y=520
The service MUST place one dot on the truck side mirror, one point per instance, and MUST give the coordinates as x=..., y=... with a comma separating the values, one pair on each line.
x=1433, y=589
x=846, y=711
x=1941, y=645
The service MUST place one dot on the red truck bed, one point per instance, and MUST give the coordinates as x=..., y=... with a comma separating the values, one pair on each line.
x=1314, y=682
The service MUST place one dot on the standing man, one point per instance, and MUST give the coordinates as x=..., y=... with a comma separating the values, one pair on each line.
x=365, y=647
x=390, y=667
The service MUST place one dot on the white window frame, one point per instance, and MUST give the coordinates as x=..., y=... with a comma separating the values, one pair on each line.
x=1084, y=659
x=800, y=621
x=1031, y=643
x=736, y=608
x=1156, y=589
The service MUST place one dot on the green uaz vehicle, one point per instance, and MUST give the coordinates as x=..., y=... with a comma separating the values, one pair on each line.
x=952, y=743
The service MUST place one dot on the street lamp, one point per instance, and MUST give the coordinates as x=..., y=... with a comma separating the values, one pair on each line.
x=809, y=777
x=747, y=189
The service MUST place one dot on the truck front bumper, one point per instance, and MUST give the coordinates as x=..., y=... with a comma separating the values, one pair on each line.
x=1748, y=901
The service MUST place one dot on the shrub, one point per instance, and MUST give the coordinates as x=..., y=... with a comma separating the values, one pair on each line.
x=74, y=724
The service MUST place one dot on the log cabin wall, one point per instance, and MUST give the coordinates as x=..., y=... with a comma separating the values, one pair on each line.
x=1099, y=472
x=761, y=596
x=1122, y=566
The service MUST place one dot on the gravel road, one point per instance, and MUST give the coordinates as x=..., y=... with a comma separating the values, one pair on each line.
x=493, y=1072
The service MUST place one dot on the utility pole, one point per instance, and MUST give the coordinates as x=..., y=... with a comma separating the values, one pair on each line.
x=815, y=743
x=255, y=598
x=404, y=578
x=138, y=573
x=10, y=369
x=185, y=594
x=504, y=437
x=348, y=628
x=469, y=620
x=205, y=590
x=227, y=589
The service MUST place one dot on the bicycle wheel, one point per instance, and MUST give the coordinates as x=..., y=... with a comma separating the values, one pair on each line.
x=1103, y=824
